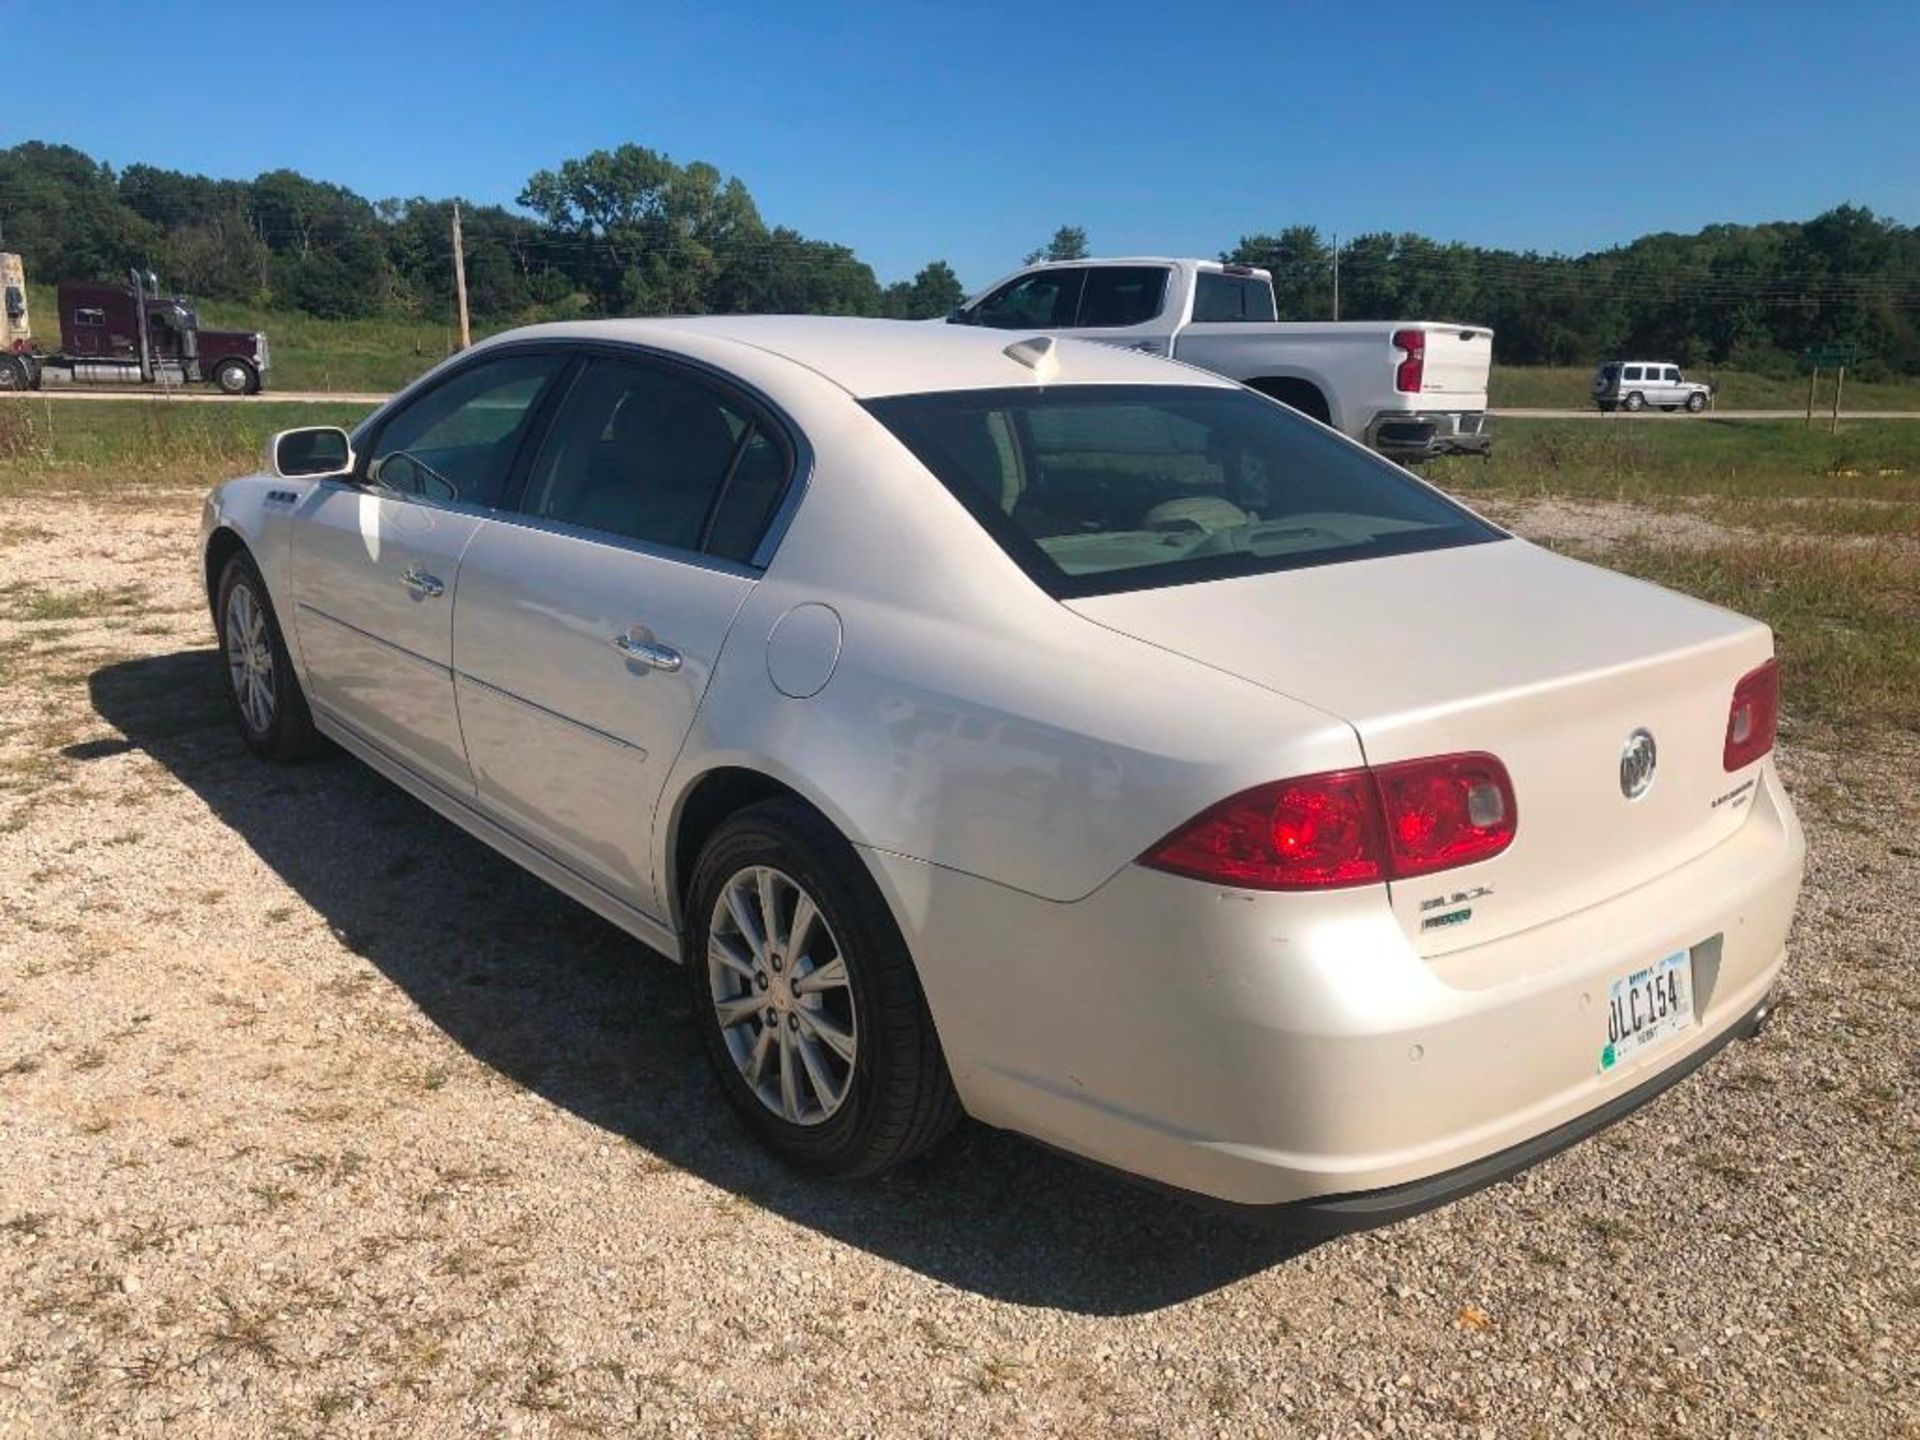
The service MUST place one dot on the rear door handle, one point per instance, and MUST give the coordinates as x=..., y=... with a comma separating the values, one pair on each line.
x=648, y=652
x=423, y=584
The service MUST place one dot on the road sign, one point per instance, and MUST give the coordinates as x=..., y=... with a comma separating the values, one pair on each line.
x=1831, y=354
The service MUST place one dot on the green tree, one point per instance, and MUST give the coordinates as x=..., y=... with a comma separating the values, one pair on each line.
x=1069, y=242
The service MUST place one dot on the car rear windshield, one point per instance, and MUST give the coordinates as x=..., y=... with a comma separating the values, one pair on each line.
x=1096, y=489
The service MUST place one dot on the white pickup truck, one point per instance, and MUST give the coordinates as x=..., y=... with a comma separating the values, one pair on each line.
x=1411, y=389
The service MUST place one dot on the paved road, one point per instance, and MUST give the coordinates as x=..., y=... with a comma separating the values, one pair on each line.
x=204, y=397
x=1589, y=413
x=324, y=397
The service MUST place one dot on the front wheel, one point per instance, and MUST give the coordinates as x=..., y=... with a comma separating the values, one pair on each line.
x=234, y=377
x=268, y=705
x=14, y=374
x=807, y=999
x=1636, y=401
x=1696, y=402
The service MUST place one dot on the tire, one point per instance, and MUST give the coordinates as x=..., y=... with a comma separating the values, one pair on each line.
x=1635, y=401
x=14, y=373
x=268, y=706
x=1696, y=402
x=235, y=377
x=894, y=1098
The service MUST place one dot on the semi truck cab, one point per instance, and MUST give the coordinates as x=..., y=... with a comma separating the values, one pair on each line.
x=125, y=335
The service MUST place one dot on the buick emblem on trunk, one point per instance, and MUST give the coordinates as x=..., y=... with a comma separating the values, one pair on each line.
x=1637, y=760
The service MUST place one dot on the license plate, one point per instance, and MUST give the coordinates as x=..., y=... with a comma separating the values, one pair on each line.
x=1647, y=1007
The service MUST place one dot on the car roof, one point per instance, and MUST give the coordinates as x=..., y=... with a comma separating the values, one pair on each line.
x=870, y=358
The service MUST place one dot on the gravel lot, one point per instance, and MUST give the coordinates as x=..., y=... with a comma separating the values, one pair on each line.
x=317, y=1117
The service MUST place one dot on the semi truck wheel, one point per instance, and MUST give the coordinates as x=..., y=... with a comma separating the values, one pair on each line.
x=235, y=377
x=14, y=374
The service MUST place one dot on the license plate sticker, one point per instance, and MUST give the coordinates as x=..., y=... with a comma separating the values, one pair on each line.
x=1648, y=1007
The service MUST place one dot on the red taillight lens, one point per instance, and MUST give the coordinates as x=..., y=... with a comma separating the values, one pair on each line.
x=1444, y=812
x=1411, y=373
x=1753, y=717
x=1349, y=827
x=1312, y=833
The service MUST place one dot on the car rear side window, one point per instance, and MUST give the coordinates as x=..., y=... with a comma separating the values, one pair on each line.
x=456, y=442
x=1632, y=372
x=1119, y=295
x=652, y=453
x=1219, y=298
x=1094, y=489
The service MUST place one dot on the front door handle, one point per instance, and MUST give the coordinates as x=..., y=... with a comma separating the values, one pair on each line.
x=648, y=652
x=422, y=584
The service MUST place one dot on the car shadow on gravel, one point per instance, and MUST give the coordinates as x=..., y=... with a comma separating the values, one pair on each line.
x=574, y=1010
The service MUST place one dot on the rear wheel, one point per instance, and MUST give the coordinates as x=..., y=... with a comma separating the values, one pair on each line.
x=268, y=705
x=14, y=374
x=1636, y=401
x=235, y=377
x=1696, y=402
x=807, y=999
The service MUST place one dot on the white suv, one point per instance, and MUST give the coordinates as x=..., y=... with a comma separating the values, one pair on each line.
x=1636, y=384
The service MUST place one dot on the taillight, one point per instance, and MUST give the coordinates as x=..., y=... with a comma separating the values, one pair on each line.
x=1753, y=717
x=1348, y=827
x=1411, y=373
x=1452, y=810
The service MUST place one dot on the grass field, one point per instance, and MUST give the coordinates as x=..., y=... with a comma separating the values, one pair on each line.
x=105, y=446
x=1560, y=387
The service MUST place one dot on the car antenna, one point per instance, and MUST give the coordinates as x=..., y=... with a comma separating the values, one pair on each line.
x=1040, y=354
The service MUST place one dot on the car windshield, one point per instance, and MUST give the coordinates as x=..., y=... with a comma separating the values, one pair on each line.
x=1095, y=489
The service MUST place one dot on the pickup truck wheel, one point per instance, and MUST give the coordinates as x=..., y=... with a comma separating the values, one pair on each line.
x=14, y=374
x=267, y=703
x=1636, y=401
x=1696, y=402
x=235, y=377
x=807, y=999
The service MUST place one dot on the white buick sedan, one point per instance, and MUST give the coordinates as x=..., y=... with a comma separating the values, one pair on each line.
x=1043, y=732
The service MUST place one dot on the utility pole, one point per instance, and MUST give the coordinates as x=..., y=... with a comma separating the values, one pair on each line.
x=460, y=278
x=1336, y=274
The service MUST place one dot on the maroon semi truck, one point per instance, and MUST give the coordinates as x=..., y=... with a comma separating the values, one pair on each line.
x=127, y=335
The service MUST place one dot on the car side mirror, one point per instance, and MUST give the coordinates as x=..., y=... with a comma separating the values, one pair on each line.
x=959, y=315
x=310, y=452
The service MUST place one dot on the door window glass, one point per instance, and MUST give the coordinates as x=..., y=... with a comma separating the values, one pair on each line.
x=456, y=443
x=1673, y=375
x=655, y=455
x=1633, y=372
x=1218, y=298
x=1117, y=295
x=1045, y=300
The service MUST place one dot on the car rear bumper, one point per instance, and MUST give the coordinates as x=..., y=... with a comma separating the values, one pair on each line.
x=1294, y=1054
x=1423, y=435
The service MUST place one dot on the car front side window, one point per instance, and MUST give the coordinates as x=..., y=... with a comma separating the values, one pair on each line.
x=1044, y=300
x=653, y=454
x=456, y=443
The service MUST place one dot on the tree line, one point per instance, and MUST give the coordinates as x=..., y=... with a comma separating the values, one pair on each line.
x=630, y=231
x=618, y=232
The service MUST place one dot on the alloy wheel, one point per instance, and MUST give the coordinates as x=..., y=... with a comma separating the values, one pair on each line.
x=250, y=660
x=782, y=995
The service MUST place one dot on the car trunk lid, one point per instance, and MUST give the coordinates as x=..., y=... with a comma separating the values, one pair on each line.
x=1546, y=663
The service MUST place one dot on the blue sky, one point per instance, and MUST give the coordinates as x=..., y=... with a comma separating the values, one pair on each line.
x=913, y=131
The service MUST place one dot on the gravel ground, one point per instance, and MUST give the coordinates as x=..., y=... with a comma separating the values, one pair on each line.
x=317, y=1117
